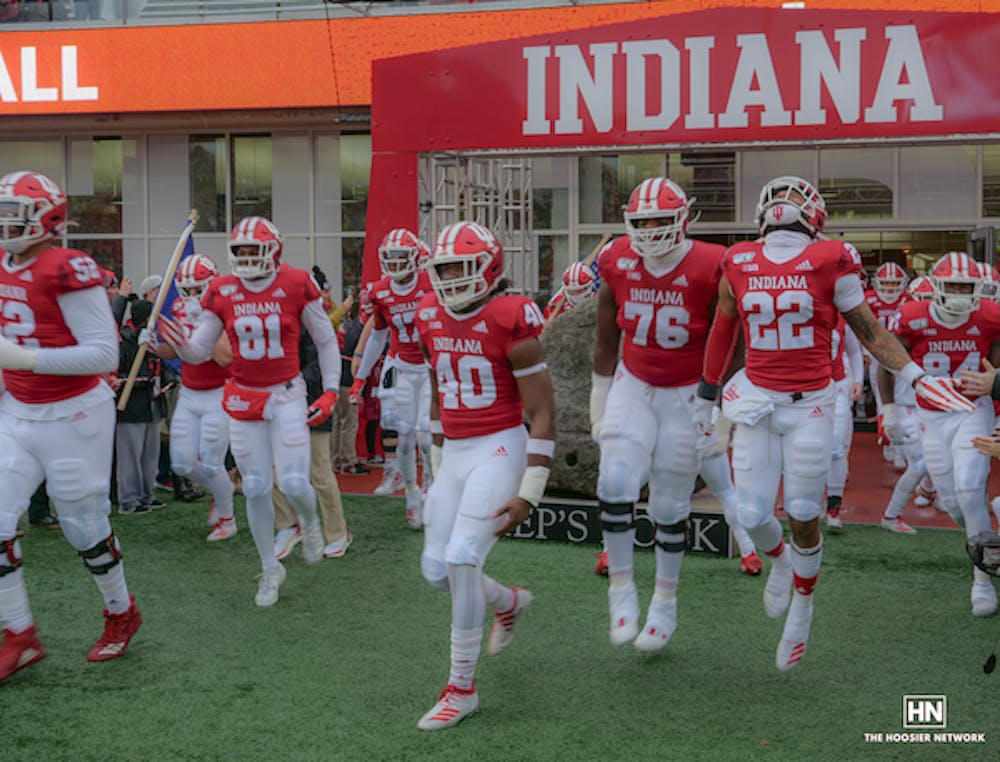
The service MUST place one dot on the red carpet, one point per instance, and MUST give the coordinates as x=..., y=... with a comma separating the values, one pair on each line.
x=869, y=486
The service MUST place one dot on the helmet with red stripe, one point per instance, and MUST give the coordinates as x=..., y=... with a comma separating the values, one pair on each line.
x=578, y=283
x=664, y=202
x=957, y=282
x=33, y=208
x=194, y=273
x=991, y=282
x=920, y=289
x=254, y=248
x=467, y=265
x=400, y=254
x=889, y=282
x=790, y=202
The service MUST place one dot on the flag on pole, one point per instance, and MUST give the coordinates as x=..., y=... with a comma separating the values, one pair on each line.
x=173, y=295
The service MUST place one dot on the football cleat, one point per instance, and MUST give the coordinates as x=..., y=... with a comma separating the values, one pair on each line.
x=118, y=631
x=778, y=588
x=19, y=650
x=661, y=621
x=897, y=525
x=414, y=507
x=286, y=540
x=984, y=598
x=338, y=548
x=601, y=569
x=392, y=481
x=623, y=603
x=795, y=634
x=750, y=565
x=223, y=530
x=453, y=706
x=833, y=522
x=312, y=544
x=270, y=581
x=502, y=631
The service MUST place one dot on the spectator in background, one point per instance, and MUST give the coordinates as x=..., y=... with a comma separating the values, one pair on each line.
x=122, y=296
x=345, y=415
x=150, y=287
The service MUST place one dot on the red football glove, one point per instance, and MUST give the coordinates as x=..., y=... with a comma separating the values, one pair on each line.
x=354, y=395
x=943, y=394
x=322, y=408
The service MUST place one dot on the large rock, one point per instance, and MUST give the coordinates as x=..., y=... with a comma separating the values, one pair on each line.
x=568, y=341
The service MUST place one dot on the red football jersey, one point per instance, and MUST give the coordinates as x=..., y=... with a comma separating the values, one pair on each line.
x=477, y=392
x=30, y=315
x=787, y=311
x=665, y=319
x=204, y=375
x=942, y=350
x=838, y=372
x=883, y=311
x=263, y=328
x=397, y=312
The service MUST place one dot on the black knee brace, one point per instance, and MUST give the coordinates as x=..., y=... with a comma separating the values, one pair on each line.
x=108, y=545
x=617, y=517
x=11, y=556
x=673, y=546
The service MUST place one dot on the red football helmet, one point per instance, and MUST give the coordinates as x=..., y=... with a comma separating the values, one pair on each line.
x=657, y=199
x=400, y=254
x=33, y=208
x=889, y=282
x=957, y=282
x=480, y=255
x=788, y=200
x=262, y=235
x=990, y=287
x=578, y=283
x=365, y=309
x=920, y=289
x=194, y=273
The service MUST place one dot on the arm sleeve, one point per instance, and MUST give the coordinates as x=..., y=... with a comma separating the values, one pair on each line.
x=848, y=292
x=373, y=351
x=721, y=344
x=88, y=316
x=324, y=337
x=200, y=344
x=852, y=351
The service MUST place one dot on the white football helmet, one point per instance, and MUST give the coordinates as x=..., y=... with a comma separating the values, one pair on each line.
x=991, y=282
x=920, y=289
x=889, y=282
x=788, y=201
x=957, y=281
x=263, y=236
x=480, y=255
x=33, y=208
x=578, y=283
x=657, y=199
x=194, y=273
x=401, y=253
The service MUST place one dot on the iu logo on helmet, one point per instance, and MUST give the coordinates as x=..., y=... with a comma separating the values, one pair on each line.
x=778, y=212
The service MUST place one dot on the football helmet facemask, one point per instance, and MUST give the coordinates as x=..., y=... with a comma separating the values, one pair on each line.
x=263, y=237
x=33, y=208
x=889, y=282
x=657, y=199
x=400, y=254
x=479, y=256
x=578, y=283
x=957, y=282
x=789, y=201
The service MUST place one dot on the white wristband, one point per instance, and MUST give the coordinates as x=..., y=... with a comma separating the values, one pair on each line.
x=533, y=485
x=600, y=386
x=911, y=372
x=889, y=411
x=436, y=427
x=544, y=447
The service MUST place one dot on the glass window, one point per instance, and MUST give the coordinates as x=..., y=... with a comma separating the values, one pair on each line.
x=106, y=252
x=45, y=156
x=553, y=259
x=355, y=170
x=251, y=176
x=94, y=185
x=857, y=183
x=937, y=183
x=607, y=181
x=991, y=181
x=207, y=181
x=352, y=253
x=550, y=188
x=709, y=179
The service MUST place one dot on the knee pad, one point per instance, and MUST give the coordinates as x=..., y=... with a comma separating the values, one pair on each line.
x=295, y=486
x=10, y=556
x=102, y=557
x=256, y=485
x=754, y=513
x=803, y=509
x=84, y=523
x=435, y=572
x=672, y=531
x=618, y=481
x=617, y=517
x=669, y=497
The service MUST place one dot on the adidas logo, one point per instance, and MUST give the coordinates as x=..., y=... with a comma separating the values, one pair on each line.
x=805, y=266
x=681, y=281
x=500, y=452
x=27, y=656
x=27, y=277
x=279, y=293
x=480, y=327
x=974, y=331
x=730, y=394
x=112, y=649
x=816, y=413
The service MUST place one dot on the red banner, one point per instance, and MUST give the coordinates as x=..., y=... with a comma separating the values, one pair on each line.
x=727, y=75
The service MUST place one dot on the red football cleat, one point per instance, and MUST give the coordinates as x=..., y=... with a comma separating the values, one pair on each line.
x=19, y=650
x=118, y=631
x=751, y=565
x=602, y=564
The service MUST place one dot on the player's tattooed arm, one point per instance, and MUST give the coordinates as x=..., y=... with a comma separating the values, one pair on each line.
x=886, y=348
x=608, y=333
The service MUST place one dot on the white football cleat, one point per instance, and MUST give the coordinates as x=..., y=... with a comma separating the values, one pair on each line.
x=661, y=621
x=338, y=548
x=270, y=581
x=502, y=631
x=286, y=540
x=623, y=603
x=897, y=525
x=453, y=706
x=778, y=588
x=795, y=635
x=223, y=530
x=392, y=481
x=834, y=523
x=984, y=598
x=312, y=544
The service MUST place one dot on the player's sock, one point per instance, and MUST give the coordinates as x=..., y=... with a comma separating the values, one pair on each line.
x=114, y=589
x=768, y=536
x=499, y=597
x=468, y=609
x=15, y=614
x=260, y=517
x=618, y=529
x=406, y=457
x=805, y=564
x=221, y=488
x=670, y=542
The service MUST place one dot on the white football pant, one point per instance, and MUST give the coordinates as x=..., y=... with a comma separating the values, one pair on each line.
x=406, y=409
x=908, y=438
x=199, y=438
x=843, y=433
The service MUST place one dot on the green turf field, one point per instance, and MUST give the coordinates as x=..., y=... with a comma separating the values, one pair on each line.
x=357, y=649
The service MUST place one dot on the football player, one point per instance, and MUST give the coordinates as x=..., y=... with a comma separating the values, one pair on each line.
x=57, y=420
x=262, y=308
x=488, y=371
x=578, y=283
x=785, y=291
x=848, y=372
x=887, y=295
x=404, y=393
x=199, y=427
x=658, y=287
x=951, y=332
